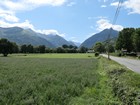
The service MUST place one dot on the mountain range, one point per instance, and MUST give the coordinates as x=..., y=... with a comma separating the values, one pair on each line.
x=27, y=36
x=100, y=37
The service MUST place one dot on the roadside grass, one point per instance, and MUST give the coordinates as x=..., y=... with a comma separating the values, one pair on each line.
x=125, y=83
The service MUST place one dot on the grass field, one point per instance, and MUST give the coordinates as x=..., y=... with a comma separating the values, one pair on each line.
x=67, y=79
x=53, y=55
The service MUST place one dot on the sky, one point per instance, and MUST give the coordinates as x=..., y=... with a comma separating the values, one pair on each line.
x=75, y=20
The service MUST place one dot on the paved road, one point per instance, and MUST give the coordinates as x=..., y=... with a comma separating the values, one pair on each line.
x=132, y=64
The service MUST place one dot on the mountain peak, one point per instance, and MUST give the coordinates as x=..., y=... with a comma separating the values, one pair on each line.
x=99, y=37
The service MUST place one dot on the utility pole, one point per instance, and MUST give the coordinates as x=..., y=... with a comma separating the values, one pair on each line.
x=108, y=43
x=113, y=23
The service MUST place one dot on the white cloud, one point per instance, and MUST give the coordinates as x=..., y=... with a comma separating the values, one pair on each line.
x=45, y=2
x=133, y=6
x=19, y=5
x=51, y=31
x=71, y=4
x=74, y=39
x=8, y=16
x=105, y=24
x=103, y=6
x=114, y=4
x=25, y=24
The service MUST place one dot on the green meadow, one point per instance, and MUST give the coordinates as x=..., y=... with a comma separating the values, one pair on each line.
x=53, y=55
x=65, y=79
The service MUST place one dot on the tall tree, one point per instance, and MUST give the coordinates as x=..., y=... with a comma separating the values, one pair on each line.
x=30, y=48
x=136, y=40
x=83, y=49
x=42, y=48
x=6, y=47
x=65, y=46
x=99, y=47
x=124, y=40
x=15, y=48
x=23, y=48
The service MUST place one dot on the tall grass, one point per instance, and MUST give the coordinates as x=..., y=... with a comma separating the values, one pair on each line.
x=40, y=80
x=37, y=81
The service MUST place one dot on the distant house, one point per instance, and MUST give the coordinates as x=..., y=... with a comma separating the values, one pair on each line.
x=90, y=51
x=124, y=51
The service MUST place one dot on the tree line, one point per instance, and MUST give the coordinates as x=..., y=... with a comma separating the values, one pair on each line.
x=7, y=47
x=128, y=40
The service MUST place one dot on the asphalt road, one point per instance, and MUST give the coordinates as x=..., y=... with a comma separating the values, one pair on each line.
x=132, y=64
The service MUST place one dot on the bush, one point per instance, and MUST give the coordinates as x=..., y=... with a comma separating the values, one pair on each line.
x=96, y=54
x=119, y=54
x=131, y=54
x=139, y=57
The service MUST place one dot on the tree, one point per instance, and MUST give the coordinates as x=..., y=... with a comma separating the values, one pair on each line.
x=15, y=48
x=24, y=48
x=98, y=47
x=60, y=50
x=136, y=40
x=83, y=49
x=125, y=39
x=30, y=48
x=65, y=46
x=6, y=47
x=42, y=48
x=111, y=48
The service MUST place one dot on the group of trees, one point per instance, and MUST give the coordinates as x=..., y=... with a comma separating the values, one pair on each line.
x=7, y=47
x=129, y=39
x=102, y=47
x=31, y=49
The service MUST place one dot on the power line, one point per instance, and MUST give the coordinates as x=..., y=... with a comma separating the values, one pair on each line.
x=114, y=22
x=117, y=12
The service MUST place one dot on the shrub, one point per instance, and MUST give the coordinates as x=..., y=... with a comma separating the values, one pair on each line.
x=139, y=57
x=96, y=54
x=119, y=54
x=131, y=54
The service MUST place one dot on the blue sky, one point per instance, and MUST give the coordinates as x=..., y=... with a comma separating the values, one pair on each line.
x=74, y=20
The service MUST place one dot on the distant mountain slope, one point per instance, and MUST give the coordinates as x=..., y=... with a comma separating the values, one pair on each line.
x=75, y=43
x=24, y=36
x=57, y=40
x=72, y=43
x=99, y=37
x=112, y=41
